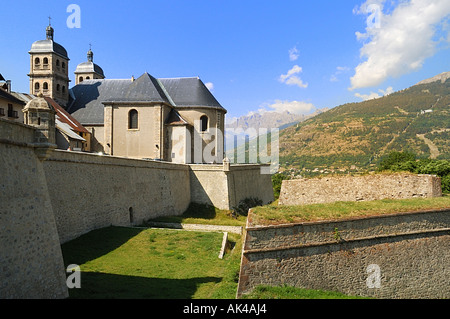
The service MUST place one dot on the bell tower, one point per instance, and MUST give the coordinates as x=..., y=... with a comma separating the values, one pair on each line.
x=88, y=70
x=49, y=69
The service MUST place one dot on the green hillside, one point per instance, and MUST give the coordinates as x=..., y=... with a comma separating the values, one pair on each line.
x=355, y=136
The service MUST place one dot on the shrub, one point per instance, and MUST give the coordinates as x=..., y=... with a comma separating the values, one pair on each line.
x=246, y=204
x=394, y=158
x=399, y=162
x=277, y=180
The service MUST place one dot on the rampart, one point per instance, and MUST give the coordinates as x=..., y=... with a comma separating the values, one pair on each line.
x=224, y=187
x=49, y=197
x=409, y=251
x=358, y=188
x=90, y=192
x=30, y=253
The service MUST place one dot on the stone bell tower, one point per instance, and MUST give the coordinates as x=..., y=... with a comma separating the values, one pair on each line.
x=49, y=69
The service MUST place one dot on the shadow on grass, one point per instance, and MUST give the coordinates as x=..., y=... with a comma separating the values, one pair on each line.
x=194, y=210
x=110, y=286
x=96, y=244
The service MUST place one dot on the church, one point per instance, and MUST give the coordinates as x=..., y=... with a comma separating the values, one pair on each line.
x=167, y=119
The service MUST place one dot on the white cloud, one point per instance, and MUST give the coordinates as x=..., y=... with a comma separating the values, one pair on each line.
x=291, y=78
x=293, y=54
x=294, y=107
x=400, y=41
x=374, y=95
x=210, y=86
x=339, y=70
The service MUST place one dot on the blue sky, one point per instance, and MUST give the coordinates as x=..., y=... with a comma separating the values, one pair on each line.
x=256, y=55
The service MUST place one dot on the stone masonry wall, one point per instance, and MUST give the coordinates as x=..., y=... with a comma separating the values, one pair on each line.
x=49, y=197
x=410, y=251
x=360, y=188
x=31, y=264
x=90, y=192
x=225, y=186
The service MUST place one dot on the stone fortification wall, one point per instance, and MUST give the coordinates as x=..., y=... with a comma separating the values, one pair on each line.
x=90, y=192
x=30, y=254
x=224, y=186
x=358, y=188
x=408, y=251
x=49, y=197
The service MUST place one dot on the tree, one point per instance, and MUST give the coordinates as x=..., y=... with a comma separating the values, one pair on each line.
x=393, y=158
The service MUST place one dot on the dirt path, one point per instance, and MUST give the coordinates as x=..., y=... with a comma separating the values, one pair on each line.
x=433, y=148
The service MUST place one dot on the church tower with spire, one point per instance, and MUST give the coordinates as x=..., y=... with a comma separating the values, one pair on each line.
x=88, y=70
x=49, y=69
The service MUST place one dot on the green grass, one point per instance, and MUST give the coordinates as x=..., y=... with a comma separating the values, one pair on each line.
x=204, y=214
x=273, y=214
x=134, y=263
x=266, y=292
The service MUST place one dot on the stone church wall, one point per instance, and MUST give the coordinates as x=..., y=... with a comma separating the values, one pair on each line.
x=397, y=256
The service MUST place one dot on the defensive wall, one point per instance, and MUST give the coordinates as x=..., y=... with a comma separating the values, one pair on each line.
x=30, y=253
x=401, y=255
x=358, y=188
x=49, y=197
x=224, y=186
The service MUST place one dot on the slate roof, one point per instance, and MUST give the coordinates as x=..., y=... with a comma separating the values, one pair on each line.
x=188, y=92
x=89, y=67
x=10, y=97
x=48, y=46
x=175, y=119
x=89, y=97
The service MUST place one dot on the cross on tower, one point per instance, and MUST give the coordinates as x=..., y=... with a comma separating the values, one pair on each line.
x=49, y=20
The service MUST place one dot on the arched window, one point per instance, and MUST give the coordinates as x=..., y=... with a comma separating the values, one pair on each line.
x=64, y=89
x=45, y=86
x=45, y=61
x=37, y=86
x=58, y=87
x=81, y=79
x=37, y=61
x=63, y=65
x=133, y=120
x=204, y=123
x=88, y=78
x=57, y=63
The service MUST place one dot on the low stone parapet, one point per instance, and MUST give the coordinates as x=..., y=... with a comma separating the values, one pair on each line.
x=358, y=188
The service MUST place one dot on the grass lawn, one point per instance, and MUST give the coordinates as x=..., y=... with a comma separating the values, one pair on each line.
x=266, y=292
x=274, y=214
x=135, y=263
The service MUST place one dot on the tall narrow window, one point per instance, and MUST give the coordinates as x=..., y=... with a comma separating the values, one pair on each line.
x=37, y=87
x=37, y=61
x=45, y=61
x=133, y=120
x=204, y=123
x=45, y=86
x=81, y=79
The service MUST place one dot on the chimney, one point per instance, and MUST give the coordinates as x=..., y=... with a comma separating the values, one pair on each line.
x=8, y=83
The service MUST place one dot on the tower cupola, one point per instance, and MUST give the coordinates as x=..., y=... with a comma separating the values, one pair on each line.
x=88, y=70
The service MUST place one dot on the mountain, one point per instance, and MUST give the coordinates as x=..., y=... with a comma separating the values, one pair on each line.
x=245, y=128
x=269, y=120
x=356, y=135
